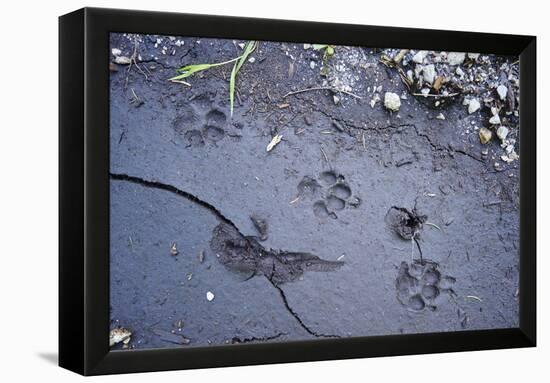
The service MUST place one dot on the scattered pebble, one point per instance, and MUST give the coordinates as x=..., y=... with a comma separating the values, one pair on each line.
x=392, y=102
x=440, y=116
x=456, y=58
x=502, y=132
x=485, y=135
x=116, y=52
x=502, y=92
x=210, y=296
x=419, y=57
x=428, y=72
x=123, y=60
x=252, y=60
x=174, y=249
x=473, y=105
x=374, y=100
x=494, y=120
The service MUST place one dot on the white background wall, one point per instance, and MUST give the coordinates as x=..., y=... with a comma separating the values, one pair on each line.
x=28, y=210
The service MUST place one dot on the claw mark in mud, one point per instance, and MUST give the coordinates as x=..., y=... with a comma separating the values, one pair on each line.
x=238, y=252
x=185, y=125
x=261, y=225
x=420, y=283
x=332, y=189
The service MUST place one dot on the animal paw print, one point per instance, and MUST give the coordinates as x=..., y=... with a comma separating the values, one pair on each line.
x=212, y=126
x=420, y=283
x=332, y=192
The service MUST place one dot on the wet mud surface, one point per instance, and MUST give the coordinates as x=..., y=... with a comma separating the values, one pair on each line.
x=359, y=222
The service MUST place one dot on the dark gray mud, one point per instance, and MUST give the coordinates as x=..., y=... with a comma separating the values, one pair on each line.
x=359, y=222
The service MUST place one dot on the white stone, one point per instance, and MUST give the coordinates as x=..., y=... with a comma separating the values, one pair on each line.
x=251, y=60
x=473, y=56
x=456, y=58
x=392, y=101
x=502, y=132
x=459, y=72
x=209, y=296
x=440, y=116
x=419, y=57
x=495, y=120
x=312, y=64
x=116, y=52
x=123, y=60
x=428, y=72
x=502, y=92
x=473, y=105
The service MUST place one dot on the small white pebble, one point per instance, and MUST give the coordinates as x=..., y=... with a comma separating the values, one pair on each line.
x=209, y=296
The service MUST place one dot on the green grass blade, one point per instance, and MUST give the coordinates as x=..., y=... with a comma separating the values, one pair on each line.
x=232, y=87
x=248, y=49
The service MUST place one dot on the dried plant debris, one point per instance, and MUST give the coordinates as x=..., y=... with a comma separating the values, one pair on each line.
x=405, y=223
x=274, y=141
x=119, y=334
x=420, y=283
x=246, y=255
x=261, y=225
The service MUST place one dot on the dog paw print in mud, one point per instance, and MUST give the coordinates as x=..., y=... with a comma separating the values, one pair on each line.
x=420, y=284
x=197, y=128
x=330, y=191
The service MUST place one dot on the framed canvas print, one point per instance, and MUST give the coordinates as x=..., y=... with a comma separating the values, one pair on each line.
x=243, y=191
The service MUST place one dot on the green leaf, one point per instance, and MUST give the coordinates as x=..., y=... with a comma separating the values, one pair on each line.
x=330, y=50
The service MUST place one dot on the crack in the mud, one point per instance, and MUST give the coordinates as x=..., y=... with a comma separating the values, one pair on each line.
x=297, y=317
x=350, y=124
x=223, y=218
x=175, y=190
x=237, y=339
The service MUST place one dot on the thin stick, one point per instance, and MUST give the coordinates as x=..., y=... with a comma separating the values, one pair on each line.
x=474, y=297
x=435, y=95
x=322, y=88
x=180, y=82
x=433, y=224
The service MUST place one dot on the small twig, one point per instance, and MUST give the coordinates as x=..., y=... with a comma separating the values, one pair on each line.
x=436, y=95
x=294, y=200
x=433, y=224
x=326, y=157
x=180, y=82
x=474, y=297
x=321, y=88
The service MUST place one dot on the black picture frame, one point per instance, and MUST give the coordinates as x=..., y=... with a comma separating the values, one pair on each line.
x=84, y=191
